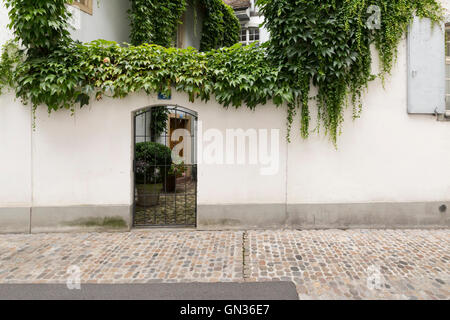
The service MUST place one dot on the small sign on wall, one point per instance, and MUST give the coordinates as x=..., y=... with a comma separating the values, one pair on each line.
x=162, y=96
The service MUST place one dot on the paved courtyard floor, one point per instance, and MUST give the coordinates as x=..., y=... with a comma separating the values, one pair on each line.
x=328, y=264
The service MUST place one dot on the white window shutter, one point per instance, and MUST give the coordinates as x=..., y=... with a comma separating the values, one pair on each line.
x=426, y=67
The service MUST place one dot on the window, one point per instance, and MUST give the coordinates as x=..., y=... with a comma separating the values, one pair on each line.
x=447, y=66
x=84, y=5
x=249, y=35
x=243, y=37
x=253, y=35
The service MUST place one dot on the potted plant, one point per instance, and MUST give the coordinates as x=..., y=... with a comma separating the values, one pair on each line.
x=175, y=171
x=153, y=161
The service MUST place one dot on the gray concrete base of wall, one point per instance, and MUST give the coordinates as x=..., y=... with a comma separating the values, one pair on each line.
x=325, y=216
x=229, y=217
x=66, y=219
x=15, y=220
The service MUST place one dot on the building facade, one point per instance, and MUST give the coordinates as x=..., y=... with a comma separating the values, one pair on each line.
x=108, y=20
x=391, y=168
x=252, y=29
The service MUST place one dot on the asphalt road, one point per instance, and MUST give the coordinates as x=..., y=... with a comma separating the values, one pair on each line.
x=170, y=291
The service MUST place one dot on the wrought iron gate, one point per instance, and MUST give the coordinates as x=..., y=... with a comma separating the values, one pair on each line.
x=165, y=167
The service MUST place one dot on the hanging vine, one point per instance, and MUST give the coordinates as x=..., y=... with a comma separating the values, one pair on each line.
x=318, y=43
x=220, y=28
x=156, y=22
x=326, y=44
x=41, y=26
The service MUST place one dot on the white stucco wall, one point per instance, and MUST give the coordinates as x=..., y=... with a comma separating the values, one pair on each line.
x=5, y=33
x=109, y=21
x=86, y=159
x=15, y=153
x=385, y=156
x=15, y=140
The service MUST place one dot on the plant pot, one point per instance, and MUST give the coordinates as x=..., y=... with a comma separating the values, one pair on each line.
x=148, y=194
x=170, y=183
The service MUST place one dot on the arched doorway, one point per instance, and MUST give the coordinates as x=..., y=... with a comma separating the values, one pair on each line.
x=165, y=167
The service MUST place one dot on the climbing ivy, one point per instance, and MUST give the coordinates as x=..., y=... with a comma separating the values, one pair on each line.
x=326, y=44
x=232, y=27
x=155, y=21
x=220, y=28
x=320, y=43
x=41, y=26
x=235, y=75
x=9, y=59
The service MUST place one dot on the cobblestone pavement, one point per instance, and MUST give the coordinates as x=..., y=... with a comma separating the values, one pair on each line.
x=358, y=264
x=332, y=264
x=156, y=256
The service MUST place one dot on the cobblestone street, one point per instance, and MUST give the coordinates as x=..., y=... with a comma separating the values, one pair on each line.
x=331, y=264
x=354, y=264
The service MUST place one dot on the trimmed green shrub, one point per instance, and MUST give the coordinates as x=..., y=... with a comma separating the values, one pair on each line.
x=153, y=161
x=153, y=153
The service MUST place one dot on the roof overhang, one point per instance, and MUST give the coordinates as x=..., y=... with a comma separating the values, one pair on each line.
x=242, y=14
